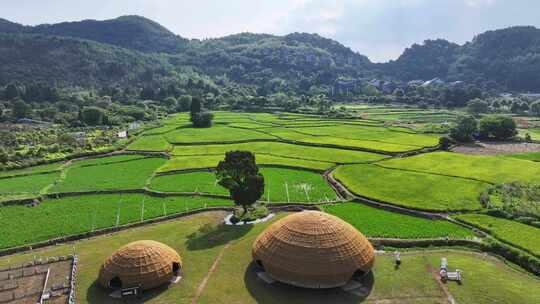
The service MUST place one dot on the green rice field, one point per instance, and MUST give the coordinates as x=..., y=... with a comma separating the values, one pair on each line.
x=218, y=133
x=211, y=161
x=283, y=150
x=493, y=169
x=125, y=173
x=385, y=224
x=411, y=189
x=522, y=235
x=74, y=215
x=150, y=143
x=281, y=185
x=27, y=184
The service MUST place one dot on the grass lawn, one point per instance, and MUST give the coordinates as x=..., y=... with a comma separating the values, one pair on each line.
x=119, y=172
x=522, y=235
x=488, y=280
x=74, y=215
x=27, y=184
x=150, y=143
x=283, y=149
x=200, y=240
x=411, y=189
x=302, y=186
x=495, y=169
x=375, y=222
x=217, y=133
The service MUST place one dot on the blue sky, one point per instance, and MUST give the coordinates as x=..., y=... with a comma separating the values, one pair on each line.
x=379, y=29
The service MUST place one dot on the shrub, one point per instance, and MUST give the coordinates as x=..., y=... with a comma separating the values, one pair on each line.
x=445, y=143
x=202, y=120
x=93, y=116
x=477, y=106
x=465, y=129
x=497, y=127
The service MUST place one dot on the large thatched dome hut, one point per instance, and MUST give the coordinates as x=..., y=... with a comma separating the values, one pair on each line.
x=147, y=264
x=313, y=249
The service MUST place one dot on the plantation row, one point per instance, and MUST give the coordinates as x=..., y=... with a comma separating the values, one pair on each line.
x=74, y=215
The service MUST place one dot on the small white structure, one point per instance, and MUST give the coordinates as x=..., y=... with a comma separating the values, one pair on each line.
x=397, y=258
x=122, y=134
x=449, y=275
x=134, y=125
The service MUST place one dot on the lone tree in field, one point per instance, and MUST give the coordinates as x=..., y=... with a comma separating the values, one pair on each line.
x=464, y=130
x=199, y=116
x=240, y=175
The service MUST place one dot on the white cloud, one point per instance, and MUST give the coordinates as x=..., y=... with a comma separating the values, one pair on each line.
x=479, y=2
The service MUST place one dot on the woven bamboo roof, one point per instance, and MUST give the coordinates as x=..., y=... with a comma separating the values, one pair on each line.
x=313, y=249
x=143, y=263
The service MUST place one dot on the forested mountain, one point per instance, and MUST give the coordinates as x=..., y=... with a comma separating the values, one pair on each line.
x=135, y=51
x=508, y=58
x=296, y=62
x=72, y=62
x=431, y=59
x=133, y=32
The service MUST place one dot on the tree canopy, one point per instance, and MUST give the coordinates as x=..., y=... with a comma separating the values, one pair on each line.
x=497, y=127
x=464, y=129
x=240, y=175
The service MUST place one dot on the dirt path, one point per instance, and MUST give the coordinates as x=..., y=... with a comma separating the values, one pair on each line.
x=449, y=298
x=201, y=287
x=497, y=148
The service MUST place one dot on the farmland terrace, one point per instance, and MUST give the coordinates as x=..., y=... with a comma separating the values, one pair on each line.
x=384, y=177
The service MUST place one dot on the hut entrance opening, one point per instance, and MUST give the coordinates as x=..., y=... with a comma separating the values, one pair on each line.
x=359, y=274
x=259, y=264
x=175, y=268
x=115, y=283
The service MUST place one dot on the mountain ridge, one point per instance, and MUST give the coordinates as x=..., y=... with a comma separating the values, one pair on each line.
x=505, y=58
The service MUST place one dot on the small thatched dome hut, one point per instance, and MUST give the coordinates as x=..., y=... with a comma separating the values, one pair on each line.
x=147, y=264
x=313, y=249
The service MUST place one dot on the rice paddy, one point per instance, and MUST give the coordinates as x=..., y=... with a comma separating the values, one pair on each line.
x=385, y=224
x=89, y=175
x=281, y=185
x=523, y=236
x=150, y=143
x=493, y=169
x=55, y=218
x=412, y=189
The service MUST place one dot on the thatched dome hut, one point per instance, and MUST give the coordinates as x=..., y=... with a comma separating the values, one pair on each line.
x=313, y=249
x=147, y=264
